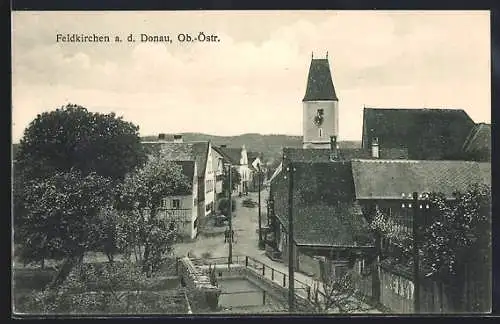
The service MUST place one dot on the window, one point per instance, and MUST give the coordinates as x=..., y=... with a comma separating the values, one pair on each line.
x=320, y=132
x=176, y=203
x=321, y=112
x=164, y=203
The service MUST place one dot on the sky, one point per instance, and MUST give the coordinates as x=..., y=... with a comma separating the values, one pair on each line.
x=252, y=80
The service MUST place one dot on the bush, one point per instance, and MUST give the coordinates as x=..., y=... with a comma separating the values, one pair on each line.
x=104, y=288
x=224, y=206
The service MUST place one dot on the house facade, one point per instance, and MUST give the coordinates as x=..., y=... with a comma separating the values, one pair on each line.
x=181, y=208
x=218, y=160
x=201, y=153
x=239, y=159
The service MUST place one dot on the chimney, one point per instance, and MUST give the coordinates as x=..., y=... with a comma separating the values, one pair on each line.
x=177, y=138
x=375, y=148
x=161, y=137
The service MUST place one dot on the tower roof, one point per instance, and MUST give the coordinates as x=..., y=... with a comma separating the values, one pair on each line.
x=319, y=82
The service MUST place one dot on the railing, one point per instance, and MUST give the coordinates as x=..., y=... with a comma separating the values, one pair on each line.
x=281, y=278
x=237, y=259
x=277, y=276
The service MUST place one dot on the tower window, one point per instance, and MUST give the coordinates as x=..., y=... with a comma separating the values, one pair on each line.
x=320, y=132
x=321, y=112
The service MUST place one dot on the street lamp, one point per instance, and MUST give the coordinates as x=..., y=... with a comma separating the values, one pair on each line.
x=261, y=244
x=230, y=212
x=415, y=202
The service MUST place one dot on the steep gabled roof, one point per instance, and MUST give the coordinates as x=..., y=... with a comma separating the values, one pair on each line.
x=321, y=193
x=388, y=179
x=189, y=151
x=427, y=134
x=233, y=154
x=319, y=82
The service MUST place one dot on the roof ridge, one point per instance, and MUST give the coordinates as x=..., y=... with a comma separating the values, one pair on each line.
x=412, y=161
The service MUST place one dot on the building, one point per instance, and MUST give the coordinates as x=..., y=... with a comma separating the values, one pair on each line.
x=379, y=186
x=218, y=161
x=181, y=207
x=336, y=190
x=256, y=166
x=320, y=106
x=238, y=159
x=424, y=134
x=201, y=154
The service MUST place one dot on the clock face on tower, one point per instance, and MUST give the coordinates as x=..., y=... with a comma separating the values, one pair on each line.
x=318, y=119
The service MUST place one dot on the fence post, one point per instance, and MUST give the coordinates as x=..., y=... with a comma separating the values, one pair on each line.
x=308, y=293
x=284, y=280
x=246, y=261
x=272, y=273
x=263, y=269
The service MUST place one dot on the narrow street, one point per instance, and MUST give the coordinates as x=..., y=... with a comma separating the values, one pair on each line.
x=245, y=225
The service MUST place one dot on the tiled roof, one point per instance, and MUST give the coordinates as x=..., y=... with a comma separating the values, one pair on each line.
x=318, y=219
x=479, y=139
x=231, y=153
x=427, y=134
x=188, y=170
x=319, y=82
x=189, y=151
x=388, y=179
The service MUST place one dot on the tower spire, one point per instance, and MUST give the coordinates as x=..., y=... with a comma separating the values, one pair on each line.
x=312, y=55
x=326, y=54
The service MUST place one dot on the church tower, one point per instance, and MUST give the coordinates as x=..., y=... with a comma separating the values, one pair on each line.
x=320, y=106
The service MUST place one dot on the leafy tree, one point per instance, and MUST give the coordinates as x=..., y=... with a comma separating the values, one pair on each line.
x=140, y=203
x=223, y=206
x=72, y=137
x=62, y=217
x=235, y=179
x=459, y=238
x=336, y=294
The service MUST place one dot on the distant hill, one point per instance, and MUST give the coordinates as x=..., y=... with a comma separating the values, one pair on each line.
x=270, y=145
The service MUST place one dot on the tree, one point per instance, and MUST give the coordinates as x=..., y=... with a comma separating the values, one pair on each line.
x=69, y=144
x=235, y=179
x=336, y=294
x=73, y=138
x=61, y=218
x=459, y=241
x=223, y=206
x=140, y=203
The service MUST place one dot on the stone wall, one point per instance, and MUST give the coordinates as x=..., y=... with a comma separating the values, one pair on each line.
x=201, y=293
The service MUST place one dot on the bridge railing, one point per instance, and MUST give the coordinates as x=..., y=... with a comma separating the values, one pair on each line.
x=301, y=288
